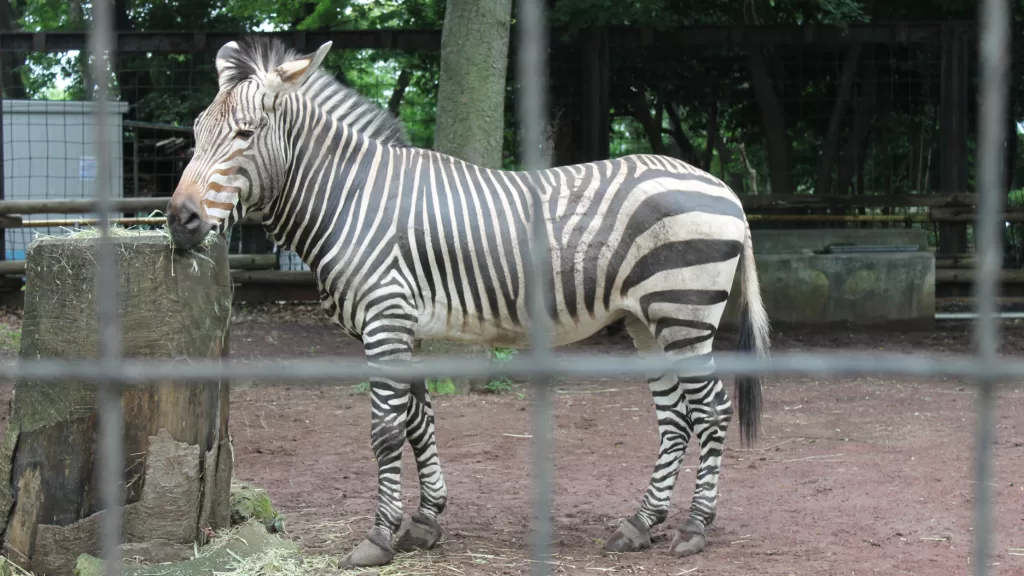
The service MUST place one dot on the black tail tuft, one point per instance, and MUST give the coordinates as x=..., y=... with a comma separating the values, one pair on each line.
x=748, y=388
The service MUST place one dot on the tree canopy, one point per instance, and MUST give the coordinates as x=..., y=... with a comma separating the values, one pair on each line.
x=785, y=119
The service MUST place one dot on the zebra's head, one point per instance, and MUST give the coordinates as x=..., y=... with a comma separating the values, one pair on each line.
x=242, y=143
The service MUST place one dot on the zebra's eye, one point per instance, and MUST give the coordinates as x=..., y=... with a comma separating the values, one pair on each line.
x=244, y=133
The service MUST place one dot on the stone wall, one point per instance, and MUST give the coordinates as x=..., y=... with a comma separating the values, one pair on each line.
x=801, y=287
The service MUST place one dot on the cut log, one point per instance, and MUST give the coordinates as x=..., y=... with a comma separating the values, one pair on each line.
x=177, y=460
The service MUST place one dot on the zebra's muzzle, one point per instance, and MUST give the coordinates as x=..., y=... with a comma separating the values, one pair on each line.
x=185, y=221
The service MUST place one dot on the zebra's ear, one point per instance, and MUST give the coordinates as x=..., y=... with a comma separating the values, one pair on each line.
x=223, y=61
x=292, y=75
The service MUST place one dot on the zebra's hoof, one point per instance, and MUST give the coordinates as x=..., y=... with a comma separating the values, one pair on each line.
x=373, y=551
x=689, y=539
x=418, y=533
x=630, y=536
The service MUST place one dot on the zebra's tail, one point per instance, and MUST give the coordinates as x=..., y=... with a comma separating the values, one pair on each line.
x=754, y=330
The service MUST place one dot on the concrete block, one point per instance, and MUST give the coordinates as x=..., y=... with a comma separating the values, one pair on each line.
x=796, y=241
x=859, y=289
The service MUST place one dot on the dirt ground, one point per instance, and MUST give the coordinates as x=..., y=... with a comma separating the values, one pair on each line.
x=851, y=475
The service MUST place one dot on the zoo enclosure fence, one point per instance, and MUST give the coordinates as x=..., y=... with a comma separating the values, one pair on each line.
x=908, y=107
x=113, y=371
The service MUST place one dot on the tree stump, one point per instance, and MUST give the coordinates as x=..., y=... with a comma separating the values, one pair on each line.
x=177, y=457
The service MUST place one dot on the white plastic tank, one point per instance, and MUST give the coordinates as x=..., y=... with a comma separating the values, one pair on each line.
x=49, y=154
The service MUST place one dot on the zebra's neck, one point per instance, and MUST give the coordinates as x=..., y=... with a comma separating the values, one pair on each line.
x=332, y=174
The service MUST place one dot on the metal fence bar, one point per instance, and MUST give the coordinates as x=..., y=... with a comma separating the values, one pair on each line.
x=111, y=447
x=112, y=370
x=531, y=61
x=994, y=61
x=139, y=371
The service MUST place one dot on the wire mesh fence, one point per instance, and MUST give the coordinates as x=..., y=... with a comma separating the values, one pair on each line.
x=84, y=153
x=887, y=114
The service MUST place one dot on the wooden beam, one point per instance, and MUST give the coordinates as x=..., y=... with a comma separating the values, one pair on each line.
x=8, y=207
x=967, y=276
x=210, y=42
x=846, y=201
x=199, y=42
x=294, y=277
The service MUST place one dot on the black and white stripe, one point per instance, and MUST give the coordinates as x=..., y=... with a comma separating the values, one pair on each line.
x=409, y=244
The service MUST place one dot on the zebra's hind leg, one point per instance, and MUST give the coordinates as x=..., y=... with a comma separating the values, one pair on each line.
x=385, y=340
x=710, y=411
x=421, y=531
x=674, y=432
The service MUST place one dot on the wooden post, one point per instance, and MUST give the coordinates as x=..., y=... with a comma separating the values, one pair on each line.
x=953, y=134
x=172, y=305
x=596, y=118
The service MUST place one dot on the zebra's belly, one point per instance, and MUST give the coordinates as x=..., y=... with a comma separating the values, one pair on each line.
x=476, y=329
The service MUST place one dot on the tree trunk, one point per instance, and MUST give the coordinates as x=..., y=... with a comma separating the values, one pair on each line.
x=399, y=92
x=1012, y=145
x=687, y=151
x=830, y=146
x=863, y=117
x=773, y=119
x=77, y=17
x=471, y=88
x=177, y=458
x=651, y=124
x=709, y=150
x=750, y=168
x=734, y=180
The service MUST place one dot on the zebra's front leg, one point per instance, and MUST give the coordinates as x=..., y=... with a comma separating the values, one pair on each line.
x=421, y=531
x=389, y=400
x=710, y=423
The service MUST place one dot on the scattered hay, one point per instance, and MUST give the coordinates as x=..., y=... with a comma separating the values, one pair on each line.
x=249, y=550
x=225, y=554
x=8, y=568
x=118, y=231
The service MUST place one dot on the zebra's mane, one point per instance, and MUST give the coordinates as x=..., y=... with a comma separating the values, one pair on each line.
x=258, y=55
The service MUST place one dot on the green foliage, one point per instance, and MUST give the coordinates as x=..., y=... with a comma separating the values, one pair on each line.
x=442, y=387
x=10, y=339
x=501, y=356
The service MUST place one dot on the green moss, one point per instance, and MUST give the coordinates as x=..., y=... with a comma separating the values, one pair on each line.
x=797, y=292
x=860, y=284
x=251, y=503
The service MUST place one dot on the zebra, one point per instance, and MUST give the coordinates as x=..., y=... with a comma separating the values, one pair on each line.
x=407, y=244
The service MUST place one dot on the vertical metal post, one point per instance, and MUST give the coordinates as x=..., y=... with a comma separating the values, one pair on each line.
x=994, y=60
x=3, y=162
x=111, y=418
x=532, y=47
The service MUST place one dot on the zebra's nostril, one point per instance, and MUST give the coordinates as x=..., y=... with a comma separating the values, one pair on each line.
x=191, y=220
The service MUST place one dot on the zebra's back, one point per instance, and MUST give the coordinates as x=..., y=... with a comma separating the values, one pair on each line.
x=642, y=234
